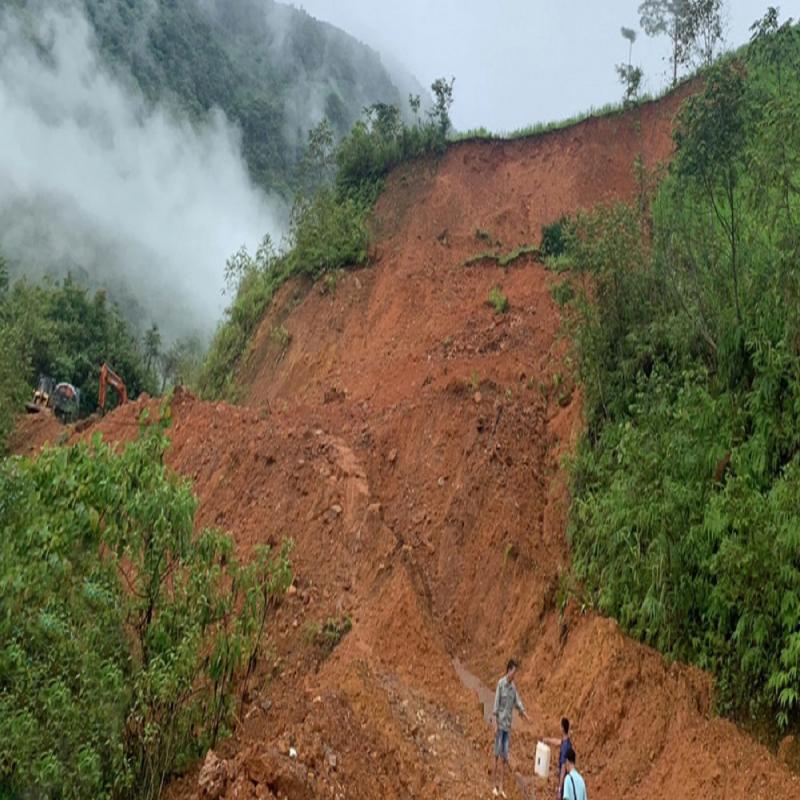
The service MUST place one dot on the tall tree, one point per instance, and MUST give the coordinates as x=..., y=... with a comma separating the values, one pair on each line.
x=670, y=18
x=630, y=77
x=705, y=24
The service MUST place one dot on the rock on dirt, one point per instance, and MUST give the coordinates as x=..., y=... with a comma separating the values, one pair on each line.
x=213, y=779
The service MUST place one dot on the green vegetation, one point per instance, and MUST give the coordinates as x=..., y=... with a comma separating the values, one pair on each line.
x=497, y=300
x=539, y=128
x=686, y=513
x=13, y=386
x=281, y=336
x=554, y=239
x=503, y=259
x=563, y=293
x=328, y=230
x=332, y=632
x=58, y=329
x=125, y=634
x=694, y=29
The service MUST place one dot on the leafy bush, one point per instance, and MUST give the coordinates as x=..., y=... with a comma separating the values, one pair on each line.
x=123, y=631
x=327, y=233
x=554, y=238
x=562, y=293
x=328, y=635
x=497, y=300
x=253, y=281
x=685, y=519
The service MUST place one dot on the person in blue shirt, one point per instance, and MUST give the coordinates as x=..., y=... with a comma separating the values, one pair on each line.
x=574, y=787
x=564, y=744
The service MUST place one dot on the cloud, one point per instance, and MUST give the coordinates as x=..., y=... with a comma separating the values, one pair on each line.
x=94, y=180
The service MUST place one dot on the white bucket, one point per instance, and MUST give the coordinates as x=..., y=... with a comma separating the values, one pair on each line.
x=542, y=766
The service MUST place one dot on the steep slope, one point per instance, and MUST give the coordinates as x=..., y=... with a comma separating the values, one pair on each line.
x=410, y=441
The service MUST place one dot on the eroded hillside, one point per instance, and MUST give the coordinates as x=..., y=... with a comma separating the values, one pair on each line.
x=410, y=441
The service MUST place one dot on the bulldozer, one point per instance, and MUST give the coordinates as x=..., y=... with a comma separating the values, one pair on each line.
x=63, y=398
x=110, y=378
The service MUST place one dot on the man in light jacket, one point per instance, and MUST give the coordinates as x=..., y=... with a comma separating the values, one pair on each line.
x=506, y=699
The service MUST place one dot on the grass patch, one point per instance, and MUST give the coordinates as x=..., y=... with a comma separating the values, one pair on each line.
x=497, y=300
x=327, y=635
x=563, y=293
x=502, y=259
x=280, y=336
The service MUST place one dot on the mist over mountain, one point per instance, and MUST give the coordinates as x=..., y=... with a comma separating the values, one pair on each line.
x=143, y=142
x=270, y=67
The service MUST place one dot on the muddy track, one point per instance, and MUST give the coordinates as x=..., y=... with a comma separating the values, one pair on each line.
x=410, y=441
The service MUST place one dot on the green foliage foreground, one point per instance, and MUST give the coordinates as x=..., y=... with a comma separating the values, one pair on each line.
x=124, y=633
x=686, y=505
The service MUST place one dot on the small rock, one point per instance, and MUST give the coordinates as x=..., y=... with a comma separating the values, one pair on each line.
x=441, y=481
x=292, y=590
x=392, y=455
x=213, y=778
x=336, y=508
x=292, y=753
x=332, y=761
x=477, y=397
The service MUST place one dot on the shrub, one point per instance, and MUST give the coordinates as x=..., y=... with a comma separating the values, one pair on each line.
x=554, y=238
x=123, y=631
x=497, y=300
x=253, y=280
x=280, y=336
x=562, y=293
x=332, y=632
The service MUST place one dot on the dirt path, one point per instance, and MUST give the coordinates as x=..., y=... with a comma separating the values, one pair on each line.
x=412, y=449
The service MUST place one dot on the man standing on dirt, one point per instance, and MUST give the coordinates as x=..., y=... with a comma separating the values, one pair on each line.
x=506, y=700
x=574, y=787
x=564, y=745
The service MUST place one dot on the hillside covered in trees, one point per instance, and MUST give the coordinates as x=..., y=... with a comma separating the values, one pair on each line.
x=273, y=69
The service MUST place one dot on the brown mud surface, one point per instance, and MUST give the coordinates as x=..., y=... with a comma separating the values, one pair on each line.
x=410, y=441
x=31, y=431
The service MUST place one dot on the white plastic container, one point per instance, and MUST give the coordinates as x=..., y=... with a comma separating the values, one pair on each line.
x=542, y=766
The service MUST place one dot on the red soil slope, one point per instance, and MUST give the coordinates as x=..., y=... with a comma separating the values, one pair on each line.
x=409, y=440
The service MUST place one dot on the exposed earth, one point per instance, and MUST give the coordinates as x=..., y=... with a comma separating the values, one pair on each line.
x=410, y=441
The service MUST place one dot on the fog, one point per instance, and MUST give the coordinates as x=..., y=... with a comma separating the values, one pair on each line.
x=94, y=180
x=520, y=61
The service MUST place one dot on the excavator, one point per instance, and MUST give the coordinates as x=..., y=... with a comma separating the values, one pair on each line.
x=63, y=398
x=110, y=378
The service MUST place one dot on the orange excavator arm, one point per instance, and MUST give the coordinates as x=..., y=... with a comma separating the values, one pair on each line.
x=110, y=378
